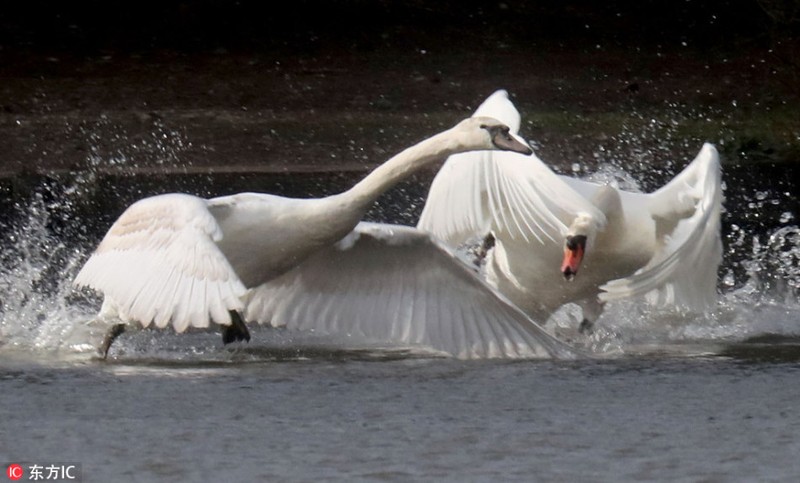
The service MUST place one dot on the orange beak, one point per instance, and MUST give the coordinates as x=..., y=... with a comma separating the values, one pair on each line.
x=573, y=255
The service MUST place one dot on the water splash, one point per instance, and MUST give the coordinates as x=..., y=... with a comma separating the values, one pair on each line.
x=773, y=270
x=112, y=146
x=38, y=302
x=50, y=231
x=766, y=304
x=645, y=146
x=615, y=176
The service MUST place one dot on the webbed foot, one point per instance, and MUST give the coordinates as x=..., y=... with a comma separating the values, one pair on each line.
x=483, y=250
x=114, y=331
x=237, y=331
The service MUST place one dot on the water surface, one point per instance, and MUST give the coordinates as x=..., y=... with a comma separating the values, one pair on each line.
x=347, y=416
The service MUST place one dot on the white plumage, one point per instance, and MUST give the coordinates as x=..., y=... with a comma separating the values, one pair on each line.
x=160, y=263
x=396, y=284
x=664, y=245
x=183, y=260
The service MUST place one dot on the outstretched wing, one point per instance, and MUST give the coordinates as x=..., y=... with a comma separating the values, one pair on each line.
x=514, y=196
x=683, y=271
x=507, y=193
x=159, y=263
x=394, y=284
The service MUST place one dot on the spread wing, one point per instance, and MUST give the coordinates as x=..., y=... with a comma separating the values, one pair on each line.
x=510, y=194
x=159, y=263
x=507, y=193
x=395, y=284
x=683, y=271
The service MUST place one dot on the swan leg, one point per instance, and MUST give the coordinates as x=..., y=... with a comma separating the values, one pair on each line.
x=482, y=251
x=114, y=331
x=237, y=331
x=486, y=247
x=586, y=327
x=592, y=310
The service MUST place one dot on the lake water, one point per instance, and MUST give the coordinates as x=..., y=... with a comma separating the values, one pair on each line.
x=352, y=416
x=672, y=397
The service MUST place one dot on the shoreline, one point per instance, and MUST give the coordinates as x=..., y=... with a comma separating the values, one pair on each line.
x=290, y=90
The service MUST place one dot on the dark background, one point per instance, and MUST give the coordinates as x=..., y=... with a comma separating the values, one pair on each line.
x=324, y=84
x=91, y=28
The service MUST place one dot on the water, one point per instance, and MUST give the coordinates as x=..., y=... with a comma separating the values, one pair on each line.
x=343, y=417
x=675, y=397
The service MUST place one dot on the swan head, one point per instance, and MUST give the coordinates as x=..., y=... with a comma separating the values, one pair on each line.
x=582, y=230
x=489, y=133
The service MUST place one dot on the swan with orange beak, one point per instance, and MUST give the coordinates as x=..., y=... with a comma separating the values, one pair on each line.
x=574, y=248
x=662, y=246
x=575, y=243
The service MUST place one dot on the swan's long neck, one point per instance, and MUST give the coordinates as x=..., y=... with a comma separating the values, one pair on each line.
x=435, y=148
x=608, y=201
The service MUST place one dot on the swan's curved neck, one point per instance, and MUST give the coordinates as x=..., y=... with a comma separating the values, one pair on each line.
x=607, y=200
x=435, y=148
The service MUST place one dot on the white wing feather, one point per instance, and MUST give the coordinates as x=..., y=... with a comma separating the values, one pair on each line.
x=509, y=193
x=159, y=263
x=395, y=284
x=683, y=271
x=500, y=191
x=500, y=107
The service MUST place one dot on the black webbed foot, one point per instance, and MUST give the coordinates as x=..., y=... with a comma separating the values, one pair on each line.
x=237, y=331
x=115, y=331
x=482, y=251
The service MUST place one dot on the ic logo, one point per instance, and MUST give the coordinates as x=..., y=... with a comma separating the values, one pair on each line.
x=14, y=472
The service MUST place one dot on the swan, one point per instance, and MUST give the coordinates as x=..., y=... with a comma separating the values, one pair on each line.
x=396, y=284
x=561, y=240
x=187, y=261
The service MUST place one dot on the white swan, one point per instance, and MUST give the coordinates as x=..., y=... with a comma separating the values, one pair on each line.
x=663, y=245
x=395, y=284
x=185, y=260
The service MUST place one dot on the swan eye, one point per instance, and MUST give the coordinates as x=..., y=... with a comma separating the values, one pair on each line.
x=495, y=130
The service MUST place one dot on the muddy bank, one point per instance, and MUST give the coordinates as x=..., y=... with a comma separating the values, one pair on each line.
x=211, y=88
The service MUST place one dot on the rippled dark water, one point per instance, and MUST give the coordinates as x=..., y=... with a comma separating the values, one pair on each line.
x=344, y=416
